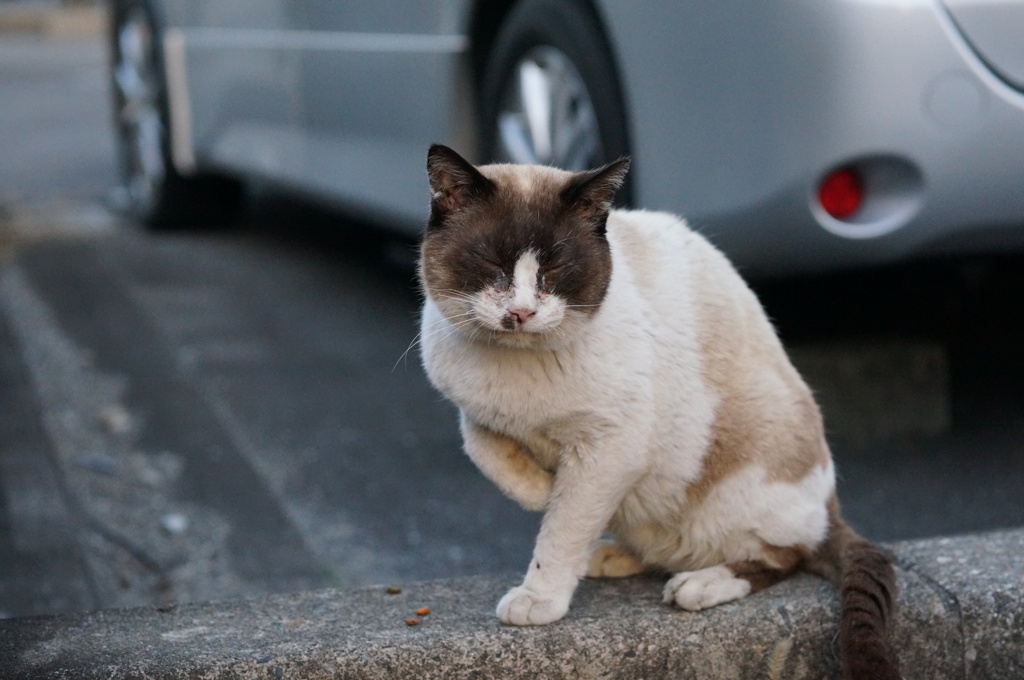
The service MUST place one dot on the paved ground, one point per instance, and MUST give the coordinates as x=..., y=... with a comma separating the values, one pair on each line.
x=55, y=114
x=227, y=416
x=205, y=416
x=222, y=414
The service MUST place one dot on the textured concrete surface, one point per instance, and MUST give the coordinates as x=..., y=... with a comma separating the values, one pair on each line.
x=985, y=574
x=960, y=615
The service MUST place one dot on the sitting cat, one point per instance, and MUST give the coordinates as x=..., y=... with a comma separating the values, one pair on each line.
x=612, y=369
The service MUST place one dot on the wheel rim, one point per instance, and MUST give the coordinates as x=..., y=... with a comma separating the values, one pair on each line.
x=137, y=83
x=546, y=115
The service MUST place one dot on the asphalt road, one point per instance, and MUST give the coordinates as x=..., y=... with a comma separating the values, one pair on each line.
x=233, y=412
x=56, y=145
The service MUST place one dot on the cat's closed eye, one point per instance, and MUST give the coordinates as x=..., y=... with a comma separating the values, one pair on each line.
x=552, y=272
x=553, y=269
x=493, y=272
x=548, y=277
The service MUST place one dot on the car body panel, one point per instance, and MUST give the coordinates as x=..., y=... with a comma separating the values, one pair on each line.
x=738, y=148
x=271, y=86
x=735, y=113
x=995, y=29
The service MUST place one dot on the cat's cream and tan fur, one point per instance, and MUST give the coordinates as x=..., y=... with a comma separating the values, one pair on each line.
x=613, y=370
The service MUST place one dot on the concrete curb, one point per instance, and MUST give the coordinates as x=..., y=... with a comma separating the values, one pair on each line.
x=961, y=615
x=54, y=22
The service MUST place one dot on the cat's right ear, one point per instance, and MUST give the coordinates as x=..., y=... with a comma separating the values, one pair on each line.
x=454, y=183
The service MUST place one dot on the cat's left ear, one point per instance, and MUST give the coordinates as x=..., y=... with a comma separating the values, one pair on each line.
x=590, y=193
x=454, y=183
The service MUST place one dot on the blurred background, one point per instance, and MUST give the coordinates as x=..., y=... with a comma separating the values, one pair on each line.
x=235, y=406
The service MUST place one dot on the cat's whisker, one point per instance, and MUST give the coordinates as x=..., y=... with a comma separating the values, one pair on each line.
x=412, y=345
x=429, y=333
x=457, y=328
x=455, y=294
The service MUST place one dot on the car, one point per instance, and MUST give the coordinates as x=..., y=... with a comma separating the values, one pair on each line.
x=800, y=136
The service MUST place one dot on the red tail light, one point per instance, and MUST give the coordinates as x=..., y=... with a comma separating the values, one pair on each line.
x=841, y=193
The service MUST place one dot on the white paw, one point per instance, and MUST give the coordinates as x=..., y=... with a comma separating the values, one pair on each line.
x=696, y=590
x=522, y=607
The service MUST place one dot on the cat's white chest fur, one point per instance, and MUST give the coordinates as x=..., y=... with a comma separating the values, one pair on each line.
x=524, y=392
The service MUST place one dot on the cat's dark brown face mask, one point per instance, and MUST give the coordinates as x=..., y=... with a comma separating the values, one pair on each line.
x=519, y=246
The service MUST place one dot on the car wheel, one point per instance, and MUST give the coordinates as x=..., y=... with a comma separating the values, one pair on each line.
x=549, y=94
x=152, y=190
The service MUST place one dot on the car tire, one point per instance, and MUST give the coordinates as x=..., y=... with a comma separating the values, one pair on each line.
x=153, y=191
x=549, y=93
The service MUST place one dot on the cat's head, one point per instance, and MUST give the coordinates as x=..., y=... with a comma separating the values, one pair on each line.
x=517, y=254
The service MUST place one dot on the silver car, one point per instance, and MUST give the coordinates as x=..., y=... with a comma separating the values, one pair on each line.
x=799, y=135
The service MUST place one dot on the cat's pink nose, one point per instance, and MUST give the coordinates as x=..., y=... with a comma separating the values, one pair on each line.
x=521, y=315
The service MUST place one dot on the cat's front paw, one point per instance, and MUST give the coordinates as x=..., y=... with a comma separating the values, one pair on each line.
x=696, y=590
x=524, y=607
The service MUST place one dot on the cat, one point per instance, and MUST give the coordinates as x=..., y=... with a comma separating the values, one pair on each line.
x=613, y=370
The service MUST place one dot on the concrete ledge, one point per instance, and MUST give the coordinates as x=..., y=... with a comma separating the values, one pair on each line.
x=961, y=616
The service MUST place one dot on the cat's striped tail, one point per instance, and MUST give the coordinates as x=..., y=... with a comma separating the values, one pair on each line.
x=867, y=591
